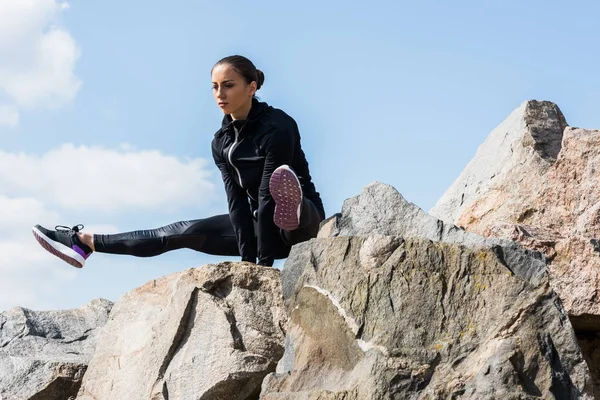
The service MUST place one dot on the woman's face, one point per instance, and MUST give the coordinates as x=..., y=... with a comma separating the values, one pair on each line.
x=230, y=90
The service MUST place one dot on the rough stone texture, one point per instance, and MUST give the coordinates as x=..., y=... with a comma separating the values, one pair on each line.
x=549, y=204
x=386, y=317
x=381, y=209
x=524, y=145
x=390, y=302
x=44, y=354
x=205, y=333
x=561, y=219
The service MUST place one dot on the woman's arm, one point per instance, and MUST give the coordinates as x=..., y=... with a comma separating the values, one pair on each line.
x=279, y=149
x=239, y=210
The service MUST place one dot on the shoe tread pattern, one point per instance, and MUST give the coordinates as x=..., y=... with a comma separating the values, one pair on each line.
x=287, y=194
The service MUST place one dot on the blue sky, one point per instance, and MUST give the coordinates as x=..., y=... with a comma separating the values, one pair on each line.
x=106, y=111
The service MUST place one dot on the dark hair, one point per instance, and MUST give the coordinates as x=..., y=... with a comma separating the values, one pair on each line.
x=245, y=68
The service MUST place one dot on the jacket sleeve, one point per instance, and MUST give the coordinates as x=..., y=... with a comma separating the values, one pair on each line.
x=239, y=210
x=279, y=149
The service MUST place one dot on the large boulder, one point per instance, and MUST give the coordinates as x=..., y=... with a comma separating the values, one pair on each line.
x=205, y=333
x=550, y=204
x=44, y=354
x=390, y=303
x=381, y=209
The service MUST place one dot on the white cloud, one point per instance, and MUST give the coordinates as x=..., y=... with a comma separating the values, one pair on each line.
x=38, y=57
x=19, y=214
x=96, y=178
x=29, y=275
x=9, y=115
x=52, y=187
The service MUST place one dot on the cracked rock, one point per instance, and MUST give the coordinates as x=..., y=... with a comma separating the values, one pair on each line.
x=535, y=181
x=205, y=333
x=391, y=303
x=551, y=205
x=421, y=320
x=44, y=354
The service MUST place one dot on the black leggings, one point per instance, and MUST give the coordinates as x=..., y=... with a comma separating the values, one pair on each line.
x=213, y=235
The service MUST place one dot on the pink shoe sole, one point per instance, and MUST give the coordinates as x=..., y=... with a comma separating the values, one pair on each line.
x=55, y=252
x=286, y=191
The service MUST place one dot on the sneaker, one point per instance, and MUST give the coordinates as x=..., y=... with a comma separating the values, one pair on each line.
x=63, y=243
x=286, y=191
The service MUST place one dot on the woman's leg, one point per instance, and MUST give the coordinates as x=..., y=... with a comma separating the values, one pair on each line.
x=310, y=219
x=212, y=235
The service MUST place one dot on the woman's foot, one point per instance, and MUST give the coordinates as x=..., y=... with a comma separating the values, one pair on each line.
x=286, y=190
x=64, y=243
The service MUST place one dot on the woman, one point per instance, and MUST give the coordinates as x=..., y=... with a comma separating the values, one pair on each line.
x=272, y=202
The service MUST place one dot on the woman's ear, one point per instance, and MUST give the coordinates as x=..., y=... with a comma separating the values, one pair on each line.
x=252, y=87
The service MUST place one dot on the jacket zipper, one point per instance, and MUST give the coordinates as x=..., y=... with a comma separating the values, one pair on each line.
x=235, y=142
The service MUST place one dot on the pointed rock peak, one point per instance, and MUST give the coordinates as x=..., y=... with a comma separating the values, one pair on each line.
x=381, y=210
x=545, y=124
x=525, y=144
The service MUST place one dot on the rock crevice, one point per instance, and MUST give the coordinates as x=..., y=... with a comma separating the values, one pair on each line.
x=44, y=354
x=208, y=332
x=552, y=206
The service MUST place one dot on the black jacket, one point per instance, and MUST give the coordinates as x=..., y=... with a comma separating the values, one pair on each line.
x=246, y=158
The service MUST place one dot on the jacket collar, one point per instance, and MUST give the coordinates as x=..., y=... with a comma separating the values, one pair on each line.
x=256, y=111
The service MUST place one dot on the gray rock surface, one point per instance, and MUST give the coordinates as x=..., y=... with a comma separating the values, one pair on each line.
x=553, y=208
x=386, y=317
x=44, y=354
x=212, y=332
x=535, y=181
x=381, y=209
x=391, y=303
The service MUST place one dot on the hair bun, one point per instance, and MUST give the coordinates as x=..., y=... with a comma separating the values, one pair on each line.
x=261, y=78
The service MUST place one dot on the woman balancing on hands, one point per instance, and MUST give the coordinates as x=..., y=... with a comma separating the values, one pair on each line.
x=272, y=202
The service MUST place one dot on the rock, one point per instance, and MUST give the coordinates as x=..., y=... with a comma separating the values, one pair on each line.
x=44, y=354
x=205, y=333
x=524, y=144
x=390, y=302
x=550, y=204
x=381, y=209
x=390, y=317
